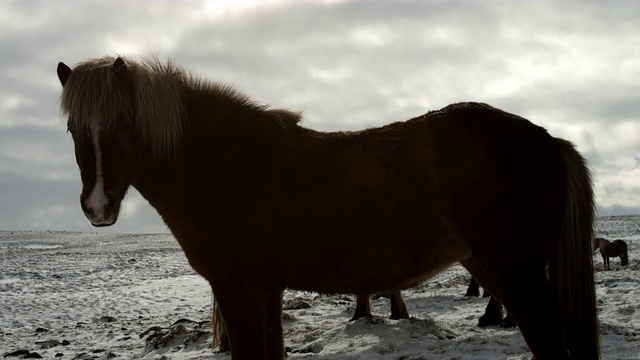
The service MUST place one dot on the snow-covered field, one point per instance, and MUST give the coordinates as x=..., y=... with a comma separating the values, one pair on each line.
x=101, y=296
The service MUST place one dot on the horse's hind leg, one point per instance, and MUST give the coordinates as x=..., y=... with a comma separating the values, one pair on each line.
x=507, y=322
x=398, y=307
x=529, y=300
x=492, y=313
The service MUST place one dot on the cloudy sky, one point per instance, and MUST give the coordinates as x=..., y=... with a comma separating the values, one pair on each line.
x=570, y=66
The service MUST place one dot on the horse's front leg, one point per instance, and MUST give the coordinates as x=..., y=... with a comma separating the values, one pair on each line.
x=473, y=290
x=250, y=329
x=492, y=313
x=275, y=338
x=398, y=307
x=363, y=307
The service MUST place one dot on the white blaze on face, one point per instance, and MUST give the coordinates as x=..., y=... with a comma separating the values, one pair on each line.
x=97, y=199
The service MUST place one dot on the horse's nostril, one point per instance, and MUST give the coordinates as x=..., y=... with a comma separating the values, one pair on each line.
x=100, y=208
x=83, y=203
x=87, y=210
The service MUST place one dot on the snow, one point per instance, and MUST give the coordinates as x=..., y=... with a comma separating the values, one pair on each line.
x=133, y=296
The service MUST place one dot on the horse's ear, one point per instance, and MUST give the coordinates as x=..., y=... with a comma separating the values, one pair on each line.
x=63, y=73
x=119, y=67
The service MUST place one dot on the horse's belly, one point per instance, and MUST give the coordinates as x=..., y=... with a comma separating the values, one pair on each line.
x=379, y=266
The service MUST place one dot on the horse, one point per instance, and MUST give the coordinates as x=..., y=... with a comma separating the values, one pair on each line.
x=398, y=307
x=363, y=310
x=473, y=289
x=493, y=313
x=608, y=249
x=239, y=184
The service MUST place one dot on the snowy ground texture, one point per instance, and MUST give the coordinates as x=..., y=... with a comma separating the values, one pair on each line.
x=103, y=296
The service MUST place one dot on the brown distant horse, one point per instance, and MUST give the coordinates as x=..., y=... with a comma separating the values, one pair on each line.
x=398, y=307
x=260, y=204
x=608, y=249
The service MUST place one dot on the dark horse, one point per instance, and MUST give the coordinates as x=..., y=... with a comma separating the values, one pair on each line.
x=493, y=313
x=608, y=249
x=239, y=185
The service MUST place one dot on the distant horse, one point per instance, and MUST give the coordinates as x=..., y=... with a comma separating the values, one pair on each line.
x=608, y=249
x=493, y=313
x=239, y=185
x=398, y=307
x=473, y=289
x=363, y=310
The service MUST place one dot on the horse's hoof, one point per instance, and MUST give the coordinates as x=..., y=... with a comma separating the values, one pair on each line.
x=222, y=350
x=485, y=321
x=472, y=293
x=507, y=322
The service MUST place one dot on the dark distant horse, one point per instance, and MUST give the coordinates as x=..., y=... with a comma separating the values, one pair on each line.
x=473, y=289
x=608, y=249
x=240, y=185
x=493, y=313
x=363, y=310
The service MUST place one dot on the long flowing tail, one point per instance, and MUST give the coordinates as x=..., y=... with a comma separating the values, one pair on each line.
x=571, y=269
x=217, y=326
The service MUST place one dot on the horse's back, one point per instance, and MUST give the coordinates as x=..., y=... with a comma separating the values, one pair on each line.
x=612, y=248
x=620, y=244
x=472, y=159
x=465, y=179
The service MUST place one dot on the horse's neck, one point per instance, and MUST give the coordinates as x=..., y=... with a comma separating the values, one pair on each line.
x=212, y=157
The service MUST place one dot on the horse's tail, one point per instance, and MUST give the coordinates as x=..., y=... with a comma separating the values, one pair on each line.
x=571, y=268
x=216, y=323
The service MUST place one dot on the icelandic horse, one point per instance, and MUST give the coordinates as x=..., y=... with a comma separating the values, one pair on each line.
x=609, y=249
x=260, y=204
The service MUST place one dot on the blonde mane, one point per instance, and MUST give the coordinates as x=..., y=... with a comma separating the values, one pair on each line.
x=156, y=95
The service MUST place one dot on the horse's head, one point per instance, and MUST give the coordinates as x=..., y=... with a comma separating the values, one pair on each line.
x=624, y=256
x=600, y=243
x=624, y=259
x=97, y=97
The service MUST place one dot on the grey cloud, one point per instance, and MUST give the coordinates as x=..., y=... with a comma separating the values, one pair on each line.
x=569, y=66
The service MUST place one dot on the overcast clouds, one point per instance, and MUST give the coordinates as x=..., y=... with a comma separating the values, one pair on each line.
x=572, y=67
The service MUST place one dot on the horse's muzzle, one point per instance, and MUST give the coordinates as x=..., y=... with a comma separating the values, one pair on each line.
x=100, y=216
